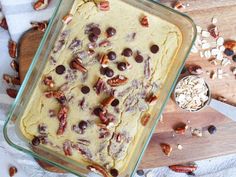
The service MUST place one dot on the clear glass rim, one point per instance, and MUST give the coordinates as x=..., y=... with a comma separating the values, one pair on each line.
x=35, y=59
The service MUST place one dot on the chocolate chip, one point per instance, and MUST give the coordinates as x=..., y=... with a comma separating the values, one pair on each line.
x=60, y=69
x=85, y=89
x=92, y=37
x=111, y=55
x=121, y=66
x=111, y=31
x=234, y=58
x=154, y=48
x=115, y=102
x=139, y=58
x=140, y=172
x=109, y=72
x=97, y=110
x=127, y=52
x=36, y=141
x=102, y=71
x=95, y=30
x=212, y=129
x=228, y=52
x=83, y=125
x=114, y=172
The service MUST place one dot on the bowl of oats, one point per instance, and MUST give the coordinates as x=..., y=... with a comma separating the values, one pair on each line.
x=192, y=93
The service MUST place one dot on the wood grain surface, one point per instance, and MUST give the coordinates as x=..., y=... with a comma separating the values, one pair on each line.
x=194, y=148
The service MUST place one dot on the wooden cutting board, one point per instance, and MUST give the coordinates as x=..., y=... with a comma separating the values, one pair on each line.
x=194, y=148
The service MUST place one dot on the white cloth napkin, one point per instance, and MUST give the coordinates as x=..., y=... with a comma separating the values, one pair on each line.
x=19, y=14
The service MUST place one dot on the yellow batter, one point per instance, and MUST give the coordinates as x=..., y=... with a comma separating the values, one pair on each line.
x=102, y=142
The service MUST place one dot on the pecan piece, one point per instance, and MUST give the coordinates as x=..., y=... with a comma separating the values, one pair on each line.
x=213, y=30
x=48, y=81
x=12, y=48
x=144, y=21
x=104, y=43
x=145, y=119
x=11, y=79
x=151, y=99
x=62, y=117
x=67, y=19
x=12, y=92
x=104, y=5
x=3, y=23
x=179, y=5
x=41, y=26
x=181, y=129
x=103, y=133
x=100, y=86
x=195, y=69
x=59, y=95
x=77, y=64
x=107, y=101
x=106, y=117
x=183, y=168
x=104, y=60
x=12, y=171
x=67, y=148
x=14, y=65
x=166, y=148
x=98, y=169
x=117, y=81
x=230, y=45
x=40, y=4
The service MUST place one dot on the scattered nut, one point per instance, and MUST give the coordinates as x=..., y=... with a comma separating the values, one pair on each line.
x=145, y=119
x=144, y=21
x=3, y=23
x=178, y=5
x=183, y=168
x=12, y=92
x=117, y=81
x=12, y=48
x=67, y=19
x=104, y=60
x=166, y=149
x=41, y=26
x=195, y=69
x=48, y=81
x=14, y=65
x=77, y=64
x=181, y=129
x=41, y=4
x=12, y=171
x=11, y=79
x=213, y=75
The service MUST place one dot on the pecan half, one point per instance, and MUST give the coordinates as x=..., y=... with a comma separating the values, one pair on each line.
x=14, y=65
x=11, y=79
x=104, y=60
x=144, y=21
x=117, y=81
x=166, y=148
x=104, y=5
x=183, y=168
x=48, y=81
x=151, y=99
x=12, y=48
x=145, y=119
x=12, y=92
x=12, y=171
x=41, y=26
x=107, y=101
x=67, y=19
x=100, y=86
x=3, y=23
x=40, y=4
x=77, y=64
x=230, y=45
x=98, y=169
x=62, y=117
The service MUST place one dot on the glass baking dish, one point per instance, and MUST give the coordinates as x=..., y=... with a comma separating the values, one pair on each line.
x=11, y=127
